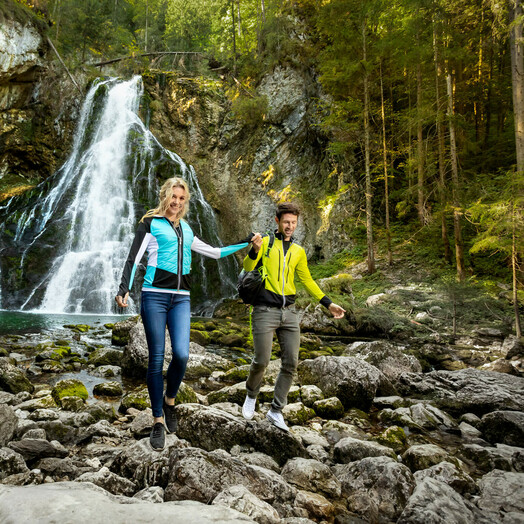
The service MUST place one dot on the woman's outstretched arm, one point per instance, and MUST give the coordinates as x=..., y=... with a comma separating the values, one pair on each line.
x=219, y=252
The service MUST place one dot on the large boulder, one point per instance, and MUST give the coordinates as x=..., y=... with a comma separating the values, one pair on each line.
x=434, y=501
x=448, y=473
x=502, y=491
x=109, y=481
x=386, y=356
x=13, y=379
x=465, y=390
x=506, y=427
x=311, y=475
x=196, y=474
x=350, y=449
x=11, y=463
x=376, y=487
x=145, y=466
x=485, y=458
x=241, y=499
x=353, y=381
x=78, y=501
x=9, y=422
x=210, y=428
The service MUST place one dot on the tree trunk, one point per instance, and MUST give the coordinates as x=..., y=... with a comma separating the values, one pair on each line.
x=517, y=81
x=239, y=20
x=441, y=154
x=369, y=214
x=234, y=36
x=517, y=84
x=263, y=9
x=459, y=247
x=385, y=160
x=420, y=150
x=147, y=16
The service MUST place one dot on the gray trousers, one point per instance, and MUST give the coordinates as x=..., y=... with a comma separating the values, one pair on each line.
x=265, y=321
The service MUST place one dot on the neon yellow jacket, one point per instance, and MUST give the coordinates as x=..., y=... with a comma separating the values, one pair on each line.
x=280, y=288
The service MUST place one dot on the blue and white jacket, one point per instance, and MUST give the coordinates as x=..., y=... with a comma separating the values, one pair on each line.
x=169, y=255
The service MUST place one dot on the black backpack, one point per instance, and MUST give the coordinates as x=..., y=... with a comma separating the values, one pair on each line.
x=251, y=283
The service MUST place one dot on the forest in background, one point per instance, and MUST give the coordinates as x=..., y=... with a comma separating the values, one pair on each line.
x=423, y=100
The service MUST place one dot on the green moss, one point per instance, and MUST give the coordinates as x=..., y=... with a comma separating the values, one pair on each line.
x=79, y=328
x=185, y=395
x=393, y=437
x=200, y=337
x=138, y=399
x=69, y=388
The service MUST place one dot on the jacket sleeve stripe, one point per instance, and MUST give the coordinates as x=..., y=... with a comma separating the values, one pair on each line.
x=215, y=252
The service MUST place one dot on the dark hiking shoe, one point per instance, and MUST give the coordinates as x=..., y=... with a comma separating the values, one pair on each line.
x=169, y=417
x=158, y=437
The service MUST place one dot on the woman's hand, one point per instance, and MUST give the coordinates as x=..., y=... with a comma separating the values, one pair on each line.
x=122, y=302
x=257, y=242
x=336, y=310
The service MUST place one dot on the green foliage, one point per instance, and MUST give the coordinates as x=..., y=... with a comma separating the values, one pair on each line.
x=250, y=110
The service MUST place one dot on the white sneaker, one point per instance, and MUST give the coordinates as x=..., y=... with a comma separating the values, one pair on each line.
x=248, y=409
x=276, y=418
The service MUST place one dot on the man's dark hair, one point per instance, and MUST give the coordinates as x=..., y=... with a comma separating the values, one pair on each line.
x=287, y=207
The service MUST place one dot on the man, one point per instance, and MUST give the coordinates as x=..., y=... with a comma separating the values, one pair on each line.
x=274, y=310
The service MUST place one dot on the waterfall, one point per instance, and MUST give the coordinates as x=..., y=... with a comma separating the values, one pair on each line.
x=85, y=216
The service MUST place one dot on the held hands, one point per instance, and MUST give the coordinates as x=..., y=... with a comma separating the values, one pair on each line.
x=122, y=302
x=257, y=242
x=336, y=310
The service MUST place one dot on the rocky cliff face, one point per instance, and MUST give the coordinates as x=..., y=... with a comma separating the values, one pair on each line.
x=246, y=168
x=37, y=111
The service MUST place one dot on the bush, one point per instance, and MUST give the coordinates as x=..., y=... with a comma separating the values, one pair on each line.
x=251, y=111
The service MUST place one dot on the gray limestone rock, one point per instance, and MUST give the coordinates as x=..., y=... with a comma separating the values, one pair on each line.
x=486, y=458
x=502, y=491
x=316, y=505
x=424, y=456
x=386, y=356
x=8, y=424
x=376, y=487
x=241, y=499
x=77, y=500
x=210, y=428
x=13, y=379
x=436, y=502
x=310, y=394
x=506, y=427
x=11, y=463
x=351, y=449
x=311, y=475
x=34, y=448
x=448, y=473
x=466, y=390
x=353, y=381
x=200, y=475
x=152, y=494
x=110, y=481
x=144, y=466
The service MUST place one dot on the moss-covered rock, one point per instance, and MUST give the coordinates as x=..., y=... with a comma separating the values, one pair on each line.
x=202, y=338
x=393, y=437
x=79, y=328
x=108, y=389
x=309, y=394
x=69, y=388
x=72, y=404
x=121, y=330
x=185, y=395
x=106, y=357
x=13, y=379
x=235, y=394
x=138, y=399
x=57, y=353
x=298, y=414
x=329, y=408
x=44, y=402
x=237, y=374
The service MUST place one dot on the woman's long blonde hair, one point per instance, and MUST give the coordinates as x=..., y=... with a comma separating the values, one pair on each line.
x=166, y=193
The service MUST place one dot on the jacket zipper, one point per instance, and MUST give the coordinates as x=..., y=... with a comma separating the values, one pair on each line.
x=180, y=256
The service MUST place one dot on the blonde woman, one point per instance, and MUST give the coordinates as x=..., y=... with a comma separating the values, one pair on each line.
x=168, y=240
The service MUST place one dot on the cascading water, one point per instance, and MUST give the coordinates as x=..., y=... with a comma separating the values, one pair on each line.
x=82, y=220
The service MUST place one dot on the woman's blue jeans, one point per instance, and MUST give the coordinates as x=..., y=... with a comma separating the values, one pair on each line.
x=159, y=310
